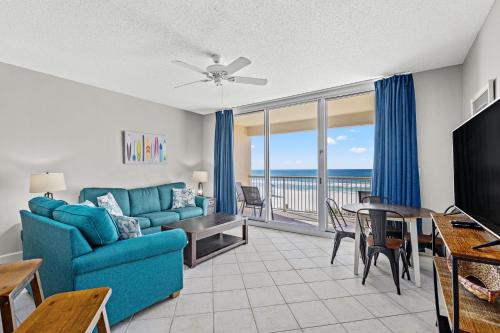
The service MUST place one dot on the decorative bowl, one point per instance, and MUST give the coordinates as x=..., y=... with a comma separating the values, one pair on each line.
x=482, y=280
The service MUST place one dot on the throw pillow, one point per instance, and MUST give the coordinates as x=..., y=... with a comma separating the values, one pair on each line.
x=183, y=197
x=128, y=227
x=109, y=203
x=87, y=203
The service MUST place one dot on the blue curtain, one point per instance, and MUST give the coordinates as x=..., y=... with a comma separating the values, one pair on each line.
x=395, y=165
x=224, y=189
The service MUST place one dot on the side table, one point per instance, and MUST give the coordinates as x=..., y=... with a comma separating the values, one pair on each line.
x=14, y=277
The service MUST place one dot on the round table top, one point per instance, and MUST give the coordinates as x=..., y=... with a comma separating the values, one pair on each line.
x=407, y=212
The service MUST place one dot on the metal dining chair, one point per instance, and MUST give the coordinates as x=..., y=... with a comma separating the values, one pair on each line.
x=240, y=198
x=425, y=240
x=344, y=227
x=253, y=200
x=377, y=241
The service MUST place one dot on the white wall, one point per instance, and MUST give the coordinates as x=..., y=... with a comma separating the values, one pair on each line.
x=483, y=60
x=53, y=124
x=208, y=151
x=438, y=96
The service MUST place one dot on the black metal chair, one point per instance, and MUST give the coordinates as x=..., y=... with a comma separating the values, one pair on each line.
x=253, y=200
x=344, y=227
x=240, y=198
x=377, y=241
x=425, y=240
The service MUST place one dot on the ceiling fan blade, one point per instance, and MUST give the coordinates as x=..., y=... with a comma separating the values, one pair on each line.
x=189, y=66
x=187, y=84
x=248, y=80
x=236, y=65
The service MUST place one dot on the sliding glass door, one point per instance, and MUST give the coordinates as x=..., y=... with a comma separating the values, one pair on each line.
x=290, y=157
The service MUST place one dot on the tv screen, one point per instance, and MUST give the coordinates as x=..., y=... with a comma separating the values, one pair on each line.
x=476, y=160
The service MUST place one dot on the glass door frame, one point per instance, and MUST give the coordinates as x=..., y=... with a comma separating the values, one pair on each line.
x=321, y=98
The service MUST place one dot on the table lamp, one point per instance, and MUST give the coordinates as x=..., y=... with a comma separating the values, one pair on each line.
x=200, y=177
x=47, y=182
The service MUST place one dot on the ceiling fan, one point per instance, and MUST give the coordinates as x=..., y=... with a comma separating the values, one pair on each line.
x=218, y=72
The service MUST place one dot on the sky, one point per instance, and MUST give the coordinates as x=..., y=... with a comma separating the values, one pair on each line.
x=348, y=148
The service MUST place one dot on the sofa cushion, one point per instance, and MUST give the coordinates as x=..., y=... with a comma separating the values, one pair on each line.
x=183, y=197
x=144, y=200
x=45, y=206
x=94, y=223
x=120, y=195
x=188, y=212
x=162, y=218
x=128, y=227
x=109, y=203
x=144, y=222
x=165, y=192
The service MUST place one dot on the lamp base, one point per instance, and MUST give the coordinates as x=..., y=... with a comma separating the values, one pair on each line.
x=49, y=195
x=200, y=188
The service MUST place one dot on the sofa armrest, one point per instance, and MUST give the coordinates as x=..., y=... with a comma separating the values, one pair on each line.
x=130, y=250
x=202, y=202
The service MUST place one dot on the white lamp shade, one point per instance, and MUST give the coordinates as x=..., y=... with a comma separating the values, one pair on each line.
x=200, y=176
x=47, y=182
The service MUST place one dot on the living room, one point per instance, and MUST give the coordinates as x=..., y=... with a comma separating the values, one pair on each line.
x=125, y=98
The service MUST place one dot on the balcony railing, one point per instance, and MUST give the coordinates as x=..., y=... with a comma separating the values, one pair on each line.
x=300, y=194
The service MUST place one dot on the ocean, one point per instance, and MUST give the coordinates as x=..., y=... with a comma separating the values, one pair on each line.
x=314, y=172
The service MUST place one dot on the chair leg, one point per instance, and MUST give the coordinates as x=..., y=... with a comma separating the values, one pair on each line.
x=392, y=255
x=367, y=266
x=406, y=268
x=260, y=212
x=254, y=212
x=375, y=259
x=408, y=252
x=336, y=246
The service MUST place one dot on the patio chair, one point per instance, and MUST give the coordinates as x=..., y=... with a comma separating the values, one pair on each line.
x=240, y=198
x=253, y=200
x=377, y=242
x=344, y=227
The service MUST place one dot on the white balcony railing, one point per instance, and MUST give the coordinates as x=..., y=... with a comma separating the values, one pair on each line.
x=300, y=194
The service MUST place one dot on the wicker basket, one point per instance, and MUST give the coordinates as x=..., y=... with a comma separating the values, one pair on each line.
x=482, y=280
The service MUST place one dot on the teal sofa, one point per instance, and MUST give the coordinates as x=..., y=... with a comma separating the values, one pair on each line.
x=152, y=206
x=140, y=271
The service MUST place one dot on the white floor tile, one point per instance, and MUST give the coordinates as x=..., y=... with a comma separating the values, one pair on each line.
x=230, y=300
x=226, y=269
x=248, y=257
x=302, y=263
x=313, y=313
x=274, y=255
x=159, y=325
x=337, y=328
x=265, y=296
x=412, y=301
x=194, y=304
x=293, y=254
x=313, y=275
x=277, y=265
x=328, y=289
x=239, y=321
x=364, y=326
x=354, y=287
x=274, y=318
x=347, y=309
x=202, y=323
x=293, y=293
x=286, y=277
x=256, y=280
x=158, y=310
x=252, y=267
x=380, y=305
x=227, y=282
x=408, y=323
x=197, y=285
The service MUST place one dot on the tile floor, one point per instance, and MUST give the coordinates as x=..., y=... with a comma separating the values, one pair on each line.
x=283, y=282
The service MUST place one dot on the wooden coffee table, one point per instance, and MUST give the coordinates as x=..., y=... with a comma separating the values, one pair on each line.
x=206, y=238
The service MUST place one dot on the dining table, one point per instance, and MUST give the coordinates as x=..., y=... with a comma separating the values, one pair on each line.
x=410, y=215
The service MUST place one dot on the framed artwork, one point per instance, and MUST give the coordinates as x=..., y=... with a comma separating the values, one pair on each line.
x=144, y=148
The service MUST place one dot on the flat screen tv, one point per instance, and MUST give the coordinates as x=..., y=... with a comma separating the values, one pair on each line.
x=476, y=160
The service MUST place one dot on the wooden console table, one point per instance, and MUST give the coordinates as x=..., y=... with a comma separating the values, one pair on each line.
x=466, y=312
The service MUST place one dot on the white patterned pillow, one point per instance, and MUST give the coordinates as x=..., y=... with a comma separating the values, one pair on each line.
x=87, y=203
x=128, y=227
x=109, y=203
x=182, y=197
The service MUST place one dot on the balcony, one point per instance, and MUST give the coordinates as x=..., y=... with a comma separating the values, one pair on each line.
x=294, y=198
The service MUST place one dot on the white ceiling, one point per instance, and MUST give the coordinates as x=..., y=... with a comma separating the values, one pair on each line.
x=304, y=45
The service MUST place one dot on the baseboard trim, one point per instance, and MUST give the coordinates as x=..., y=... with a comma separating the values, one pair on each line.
x=284, y=227
x=10, y=257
